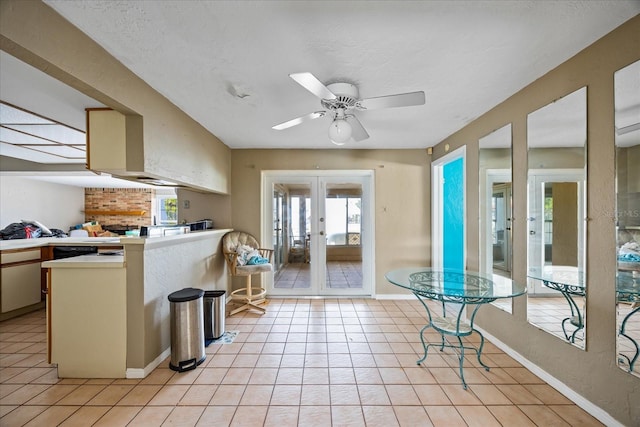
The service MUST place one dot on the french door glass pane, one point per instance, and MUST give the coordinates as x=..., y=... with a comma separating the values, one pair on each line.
x=343, y=250
x=295, y=273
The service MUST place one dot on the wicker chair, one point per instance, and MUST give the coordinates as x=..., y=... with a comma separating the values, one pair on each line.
x=248, y=297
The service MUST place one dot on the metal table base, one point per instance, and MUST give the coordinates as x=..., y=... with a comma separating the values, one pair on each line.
x=458, y=328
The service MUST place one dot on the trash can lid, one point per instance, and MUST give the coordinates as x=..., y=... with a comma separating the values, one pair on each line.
x=213, y=294
x=186, y=294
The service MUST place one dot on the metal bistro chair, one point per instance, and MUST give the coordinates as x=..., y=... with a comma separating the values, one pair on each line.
x=249, y=297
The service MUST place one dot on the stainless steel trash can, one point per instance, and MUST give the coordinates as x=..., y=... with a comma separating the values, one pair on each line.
x=214, y=314
x=187, y=331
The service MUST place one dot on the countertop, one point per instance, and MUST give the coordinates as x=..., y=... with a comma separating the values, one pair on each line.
x=54, y=241
x=103, y=241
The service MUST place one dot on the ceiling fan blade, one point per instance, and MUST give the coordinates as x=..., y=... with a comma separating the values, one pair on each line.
x=392, y=101
x=358, y=133
x=313, y=85
x=298, y=120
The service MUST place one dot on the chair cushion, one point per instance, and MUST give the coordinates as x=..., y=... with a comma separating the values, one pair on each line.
x=233, y=239
x=246, y=270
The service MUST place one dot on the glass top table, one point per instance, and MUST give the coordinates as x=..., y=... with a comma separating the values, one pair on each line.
x=628, y=291
x=462, y=288
x=570, y=282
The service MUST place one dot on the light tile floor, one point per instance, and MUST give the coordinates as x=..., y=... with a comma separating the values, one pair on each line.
x=306, y=362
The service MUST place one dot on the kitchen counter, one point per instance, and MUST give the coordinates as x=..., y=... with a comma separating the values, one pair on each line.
x=130, y=291
x=104, y=241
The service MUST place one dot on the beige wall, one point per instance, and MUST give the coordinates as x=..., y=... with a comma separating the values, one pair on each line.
x=175, y=146
x=216, y=207
x=402, y=194
x=592, y=373
x=344, y=253
x=565, y=226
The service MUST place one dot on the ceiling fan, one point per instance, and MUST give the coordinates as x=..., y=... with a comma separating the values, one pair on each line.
x=340, y=101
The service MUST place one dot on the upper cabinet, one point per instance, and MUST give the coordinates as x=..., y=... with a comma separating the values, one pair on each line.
x=112, y=144
x=128, y=146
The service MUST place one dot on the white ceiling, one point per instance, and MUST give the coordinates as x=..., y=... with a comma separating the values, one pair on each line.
x=226, y=63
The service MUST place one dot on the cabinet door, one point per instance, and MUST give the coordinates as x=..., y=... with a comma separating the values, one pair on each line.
x=20, y=286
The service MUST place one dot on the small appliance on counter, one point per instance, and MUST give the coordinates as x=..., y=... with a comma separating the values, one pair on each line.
x=203, y=224
x=120, y=230
x=163, y=230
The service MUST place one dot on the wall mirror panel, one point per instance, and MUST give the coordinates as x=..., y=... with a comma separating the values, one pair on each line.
x=494, y=180
x=627, y=137
x=556, y=217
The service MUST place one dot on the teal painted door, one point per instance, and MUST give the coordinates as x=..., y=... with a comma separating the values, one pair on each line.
x=453, y=214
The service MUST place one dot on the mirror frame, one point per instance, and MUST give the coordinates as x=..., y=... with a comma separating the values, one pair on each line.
x=491, y=173
x=558, y=131
x=627, y=280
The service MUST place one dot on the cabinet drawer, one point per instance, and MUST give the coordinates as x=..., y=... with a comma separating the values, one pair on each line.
x=18, y=256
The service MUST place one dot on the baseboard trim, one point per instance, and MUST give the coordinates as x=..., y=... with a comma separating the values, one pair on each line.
x=395, y=296
x=142, y=373
x=570, y=394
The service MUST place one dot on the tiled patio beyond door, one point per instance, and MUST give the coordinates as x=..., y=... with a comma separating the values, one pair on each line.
x=339, y=275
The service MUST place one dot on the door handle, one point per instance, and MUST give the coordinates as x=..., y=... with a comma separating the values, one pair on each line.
x=322, y=233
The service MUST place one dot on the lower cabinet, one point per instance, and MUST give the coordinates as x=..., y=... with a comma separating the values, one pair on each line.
x=20, y=281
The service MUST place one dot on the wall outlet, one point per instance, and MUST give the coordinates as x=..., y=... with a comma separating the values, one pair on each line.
x=186, y=204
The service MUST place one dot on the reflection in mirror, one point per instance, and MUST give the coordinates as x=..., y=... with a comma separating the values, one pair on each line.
x=495, y=206
x=556, y=139
x=627, y=137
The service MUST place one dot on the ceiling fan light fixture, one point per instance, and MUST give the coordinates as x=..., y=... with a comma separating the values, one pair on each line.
x=339, y=131
x=341, y=100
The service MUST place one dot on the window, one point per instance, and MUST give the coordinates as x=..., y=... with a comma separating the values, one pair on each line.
x=300, y=218
x=167, y=208
x=343, y=220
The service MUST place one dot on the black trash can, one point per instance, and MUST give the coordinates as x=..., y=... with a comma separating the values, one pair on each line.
x=214, y=314
x=187, y=331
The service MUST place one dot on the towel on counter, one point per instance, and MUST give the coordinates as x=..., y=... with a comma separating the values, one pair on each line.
x=257, y=260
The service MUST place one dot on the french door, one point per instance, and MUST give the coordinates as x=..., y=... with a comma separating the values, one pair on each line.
x=501, y=226
x=279, y=225
x=321, y=224
x=564, y=189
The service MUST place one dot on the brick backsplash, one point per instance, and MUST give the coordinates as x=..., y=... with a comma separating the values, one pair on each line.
x=120, y=200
